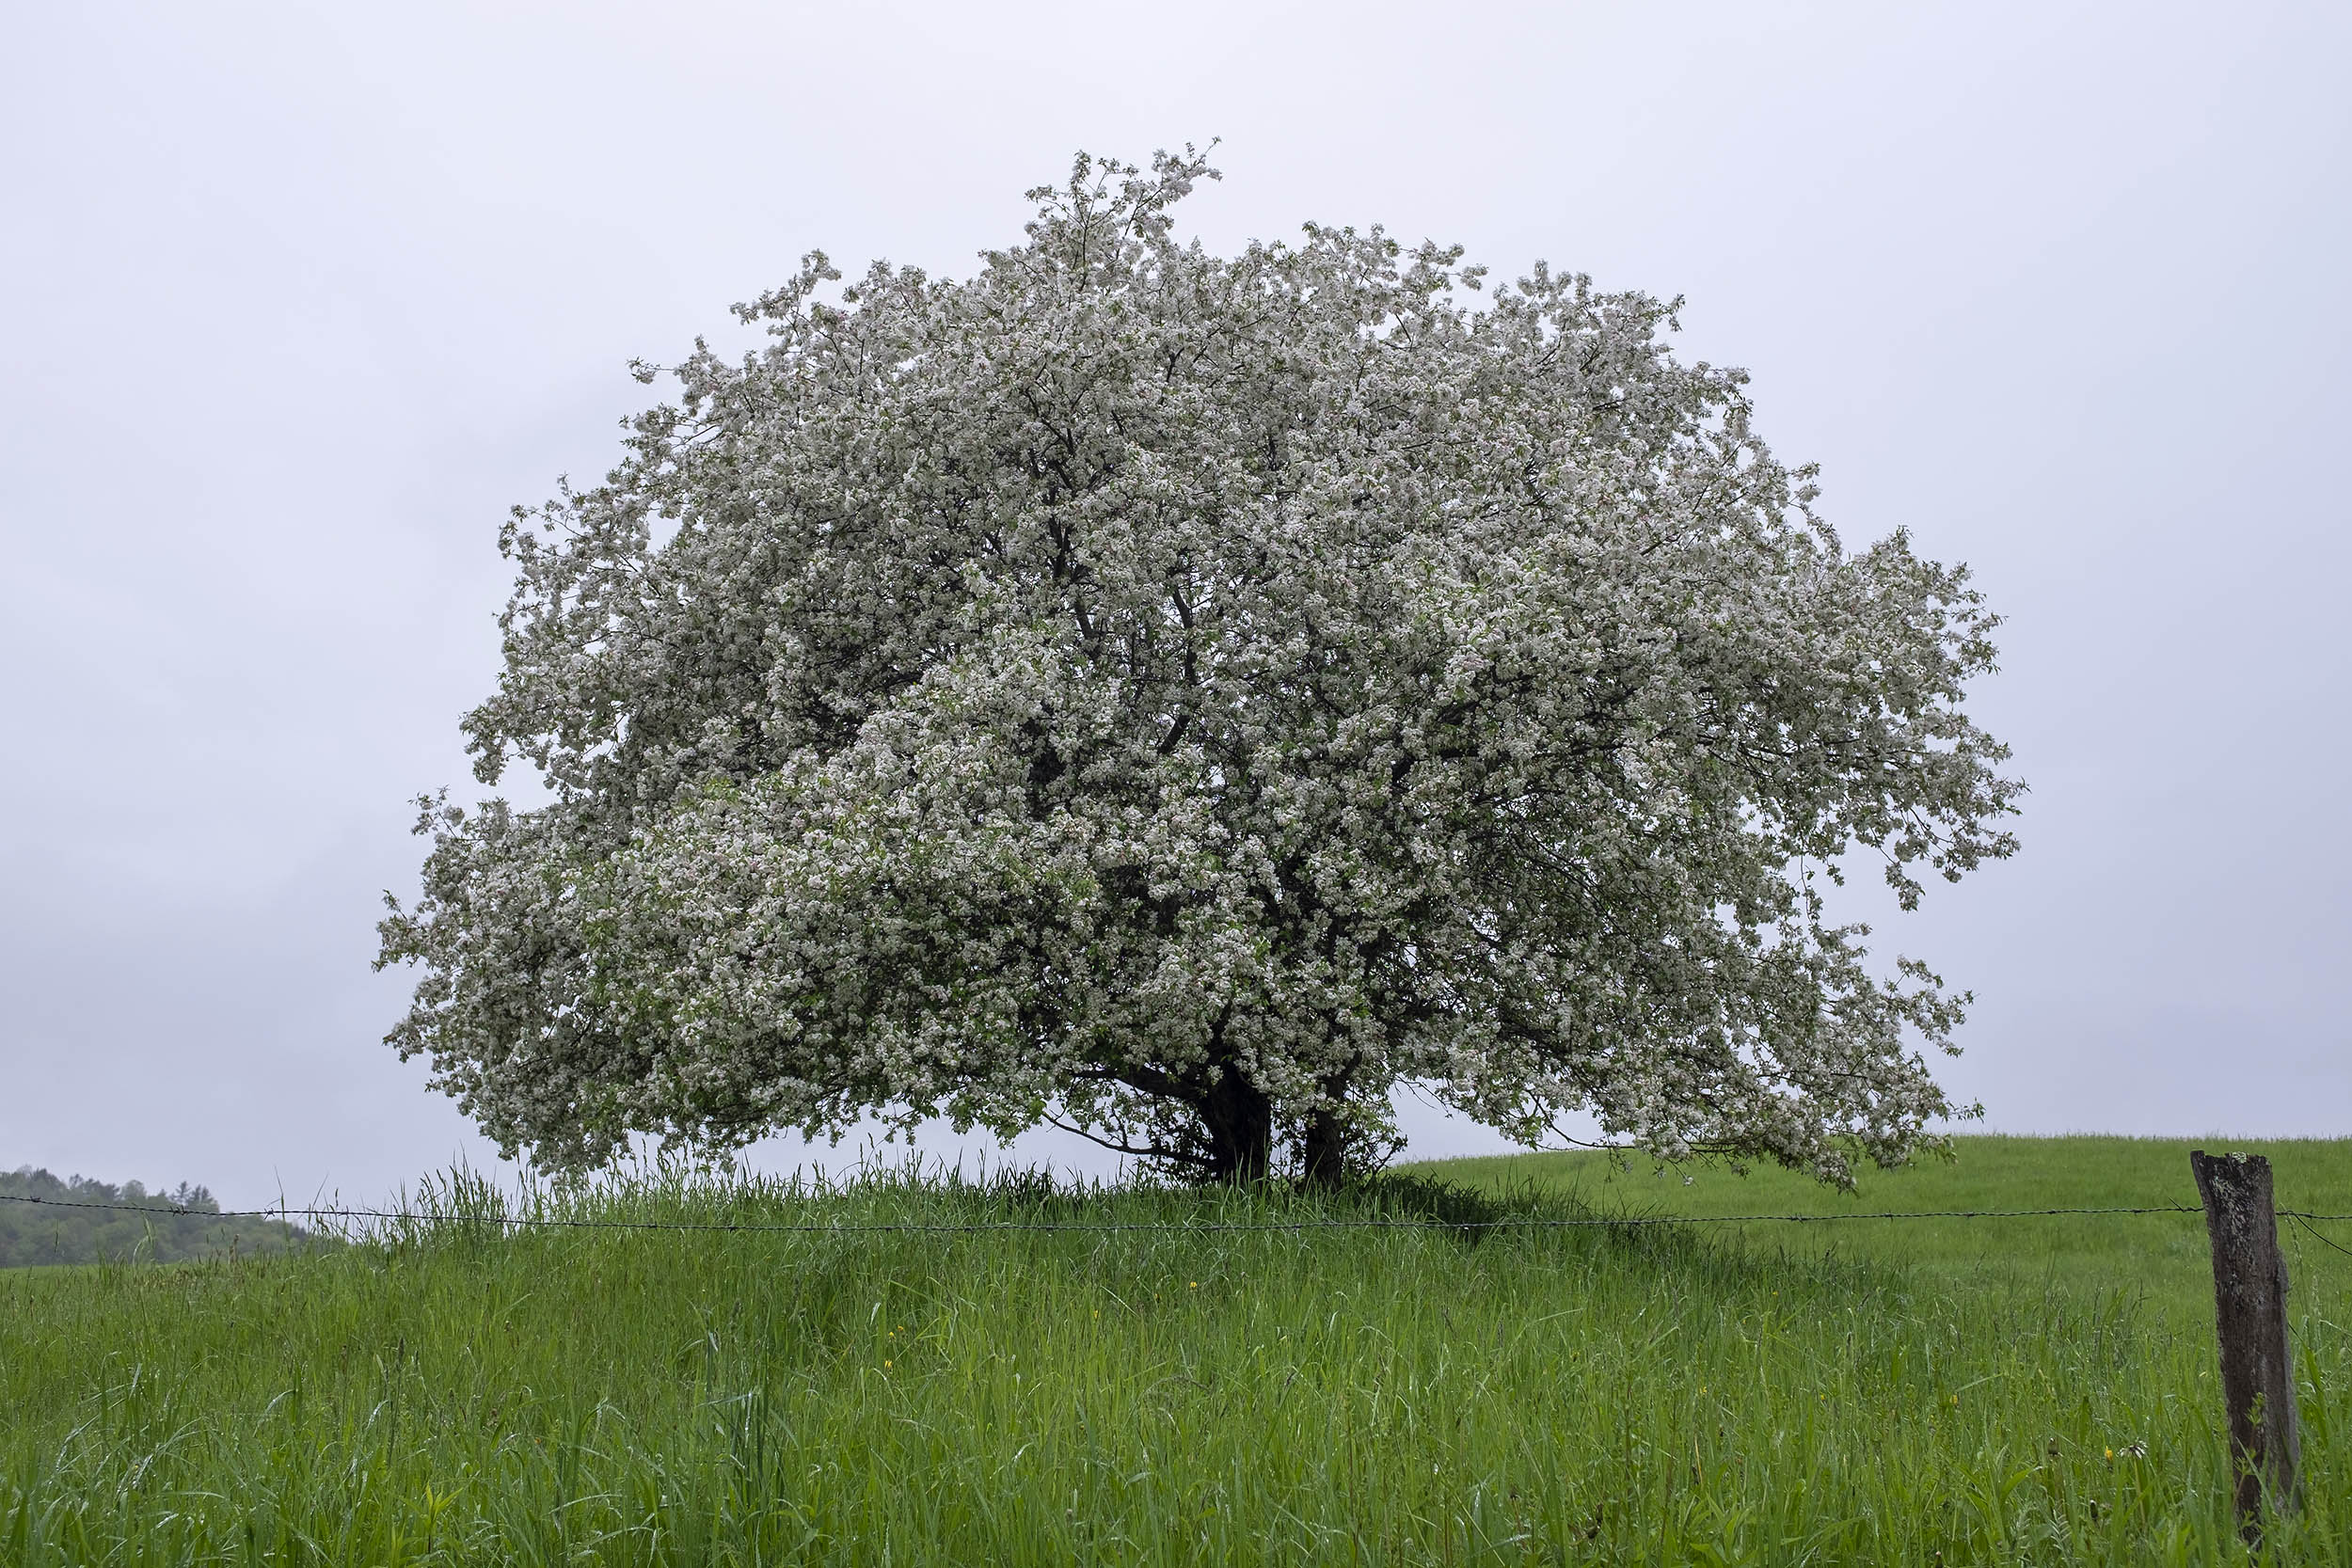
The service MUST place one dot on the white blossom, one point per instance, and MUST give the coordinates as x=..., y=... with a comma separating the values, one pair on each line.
x=1184, y=696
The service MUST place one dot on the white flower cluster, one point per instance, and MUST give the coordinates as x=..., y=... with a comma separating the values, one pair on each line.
x=1180, y=697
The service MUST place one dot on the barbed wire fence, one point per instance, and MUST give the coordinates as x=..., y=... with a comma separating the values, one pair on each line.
x=1517, y=1222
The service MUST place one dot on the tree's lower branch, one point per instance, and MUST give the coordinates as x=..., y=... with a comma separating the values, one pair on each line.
x=1153, y=1151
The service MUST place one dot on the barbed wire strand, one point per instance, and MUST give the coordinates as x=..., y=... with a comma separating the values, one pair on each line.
x=289, y=1213
x=2314, y=1231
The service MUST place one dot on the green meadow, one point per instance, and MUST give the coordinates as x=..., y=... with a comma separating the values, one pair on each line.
x=2161, y=1264
x=1447, y=1391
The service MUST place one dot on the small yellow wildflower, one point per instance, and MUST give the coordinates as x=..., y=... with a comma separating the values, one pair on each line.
x=1193, y=1286
x=885, y=1364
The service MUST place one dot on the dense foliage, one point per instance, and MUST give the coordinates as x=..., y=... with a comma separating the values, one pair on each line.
x=162, y=1226
x=1183, y=696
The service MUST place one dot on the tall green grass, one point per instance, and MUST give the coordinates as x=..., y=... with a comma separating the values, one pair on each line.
x=449, y=1393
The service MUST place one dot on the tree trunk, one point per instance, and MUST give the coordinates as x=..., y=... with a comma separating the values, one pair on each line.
x=1324, y=1147
x=1240, y=1124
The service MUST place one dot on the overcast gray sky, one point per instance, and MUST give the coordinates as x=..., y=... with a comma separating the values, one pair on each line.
x=298, y=300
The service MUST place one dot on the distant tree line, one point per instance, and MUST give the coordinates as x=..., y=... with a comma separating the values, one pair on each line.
x=161, y=1227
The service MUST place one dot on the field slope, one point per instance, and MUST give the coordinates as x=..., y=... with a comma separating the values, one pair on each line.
x=1988, y=1391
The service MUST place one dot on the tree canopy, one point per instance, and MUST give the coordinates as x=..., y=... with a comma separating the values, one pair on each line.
x=1183, y=697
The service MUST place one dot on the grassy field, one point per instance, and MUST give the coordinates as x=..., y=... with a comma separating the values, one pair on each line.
x=1952, y=1391
x=2161, y=1262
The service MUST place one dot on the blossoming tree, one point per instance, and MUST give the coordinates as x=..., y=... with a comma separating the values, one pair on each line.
x=1181, y=697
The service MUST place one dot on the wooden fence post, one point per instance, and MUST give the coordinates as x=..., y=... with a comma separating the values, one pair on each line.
x=2250, y=1300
